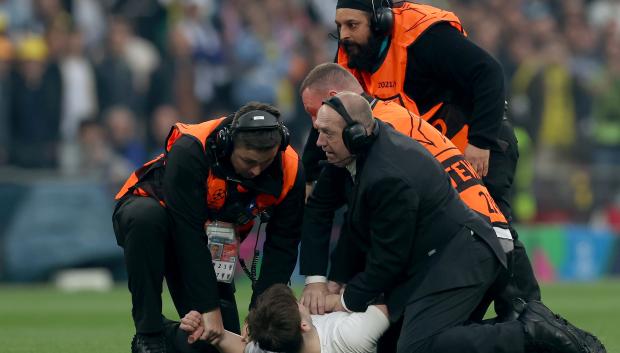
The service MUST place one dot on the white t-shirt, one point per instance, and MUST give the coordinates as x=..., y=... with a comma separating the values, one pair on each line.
x=342, y=332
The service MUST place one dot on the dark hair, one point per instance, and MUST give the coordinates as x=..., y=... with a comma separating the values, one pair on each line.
x=275, y=321
x=260, y=140
x=330, y=76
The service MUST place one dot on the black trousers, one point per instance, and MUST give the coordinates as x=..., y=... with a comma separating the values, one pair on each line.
x=520, y=281
x=449, y=321
x=502, y=167
x=143, y=229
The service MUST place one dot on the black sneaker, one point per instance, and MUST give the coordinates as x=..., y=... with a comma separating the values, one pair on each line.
x=148, y=344
x=544, y=332
x=592, y=343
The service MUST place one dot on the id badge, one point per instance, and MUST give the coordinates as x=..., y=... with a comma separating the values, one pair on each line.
x=224, y=246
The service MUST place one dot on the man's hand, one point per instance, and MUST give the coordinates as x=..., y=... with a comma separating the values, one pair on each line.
x=213, y=326
x=478, y=158
x=334, y=287
x=313, y=297
x=333, y=303
x=193, y=325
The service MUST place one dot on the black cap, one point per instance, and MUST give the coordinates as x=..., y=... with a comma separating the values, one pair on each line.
x=363, y=5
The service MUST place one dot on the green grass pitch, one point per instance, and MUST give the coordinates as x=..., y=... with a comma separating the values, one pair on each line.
x=44, y=319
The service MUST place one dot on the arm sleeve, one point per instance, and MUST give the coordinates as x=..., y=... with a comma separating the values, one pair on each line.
x=347, y=259
x=311, y=157
x=392, y=209
x=327, y=196
x=444, y=54
x=360, y=332
x=282, y=240
x=184, y=190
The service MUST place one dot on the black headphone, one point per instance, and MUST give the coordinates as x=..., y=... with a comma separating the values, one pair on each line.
x=254, y=120
x=382, y=18
x=354, y=134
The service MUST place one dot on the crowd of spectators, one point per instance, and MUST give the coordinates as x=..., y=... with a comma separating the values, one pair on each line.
x=91, y=87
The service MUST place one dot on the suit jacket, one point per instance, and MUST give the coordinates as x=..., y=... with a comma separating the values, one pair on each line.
x=403, y=213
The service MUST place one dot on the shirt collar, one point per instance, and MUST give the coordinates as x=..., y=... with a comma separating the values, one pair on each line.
x=352, y=168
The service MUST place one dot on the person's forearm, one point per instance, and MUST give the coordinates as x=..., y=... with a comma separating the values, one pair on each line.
x=184, y=191
x=360, y=332
x=392, y=231
x=230, y=343
x=326, y=198
x=383, y=309
x=283, y=233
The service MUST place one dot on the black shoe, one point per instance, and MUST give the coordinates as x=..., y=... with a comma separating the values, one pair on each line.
x=545, y=332
x=592, y=343
x=174, y=336
x=148, y=344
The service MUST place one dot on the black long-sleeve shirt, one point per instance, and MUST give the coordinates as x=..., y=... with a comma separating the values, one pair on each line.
x=329, y=194
x=187, y=169
x=443, y=65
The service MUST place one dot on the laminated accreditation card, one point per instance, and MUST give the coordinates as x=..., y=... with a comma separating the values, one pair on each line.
x=224, y=247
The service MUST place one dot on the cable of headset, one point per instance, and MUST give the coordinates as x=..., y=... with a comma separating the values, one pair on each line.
x=251, y=272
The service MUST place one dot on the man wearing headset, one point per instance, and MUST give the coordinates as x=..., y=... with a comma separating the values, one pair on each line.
x=416, y=246
x=419, y=56
x=182, y=215
x=325, y=81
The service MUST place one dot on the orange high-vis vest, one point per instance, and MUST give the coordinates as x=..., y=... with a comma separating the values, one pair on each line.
x=216, y=187
x=463, y=177
x=388, y=82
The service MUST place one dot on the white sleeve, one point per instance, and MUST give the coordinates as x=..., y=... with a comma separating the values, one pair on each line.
x=316, y=279
x=359, y=332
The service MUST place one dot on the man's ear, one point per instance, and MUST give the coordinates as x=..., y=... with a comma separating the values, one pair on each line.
x=332, y=93
x=305, y=326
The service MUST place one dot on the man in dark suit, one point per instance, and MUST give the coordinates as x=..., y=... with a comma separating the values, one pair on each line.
x=432, y=258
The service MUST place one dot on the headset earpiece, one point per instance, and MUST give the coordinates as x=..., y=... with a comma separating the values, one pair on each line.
x=382, y=19
x=354, y=135
x=223, y=142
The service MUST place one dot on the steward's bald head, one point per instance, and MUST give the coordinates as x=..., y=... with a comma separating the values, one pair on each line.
x=333, y=117
x=358, y=108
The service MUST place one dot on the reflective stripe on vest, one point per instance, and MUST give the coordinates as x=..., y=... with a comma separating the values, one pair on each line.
x=463, y=177
x=388, y=82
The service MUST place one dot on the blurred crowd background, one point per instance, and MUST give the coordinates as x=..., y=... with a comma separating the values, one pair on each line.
x=90, y=88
